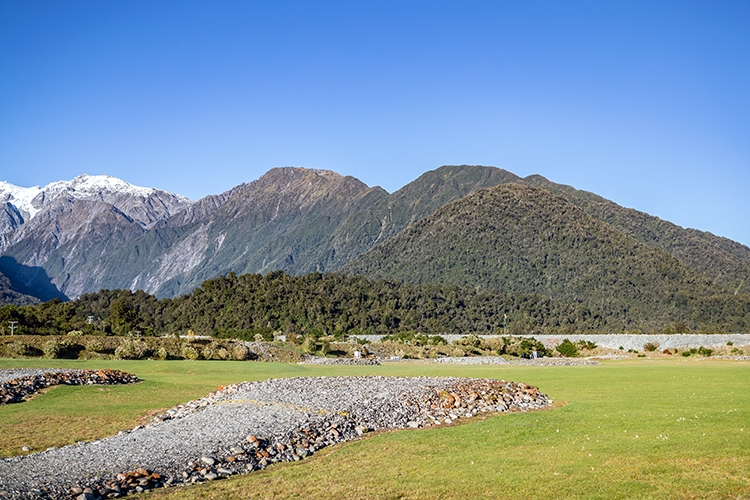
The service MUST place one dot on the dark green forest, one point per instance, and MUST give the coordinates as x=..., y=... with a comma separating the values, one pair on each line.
x=326, y=304
x=520, y=239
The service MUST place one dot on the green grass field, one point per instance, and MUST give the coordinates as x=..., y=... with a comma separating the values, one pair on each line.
x=628, y=429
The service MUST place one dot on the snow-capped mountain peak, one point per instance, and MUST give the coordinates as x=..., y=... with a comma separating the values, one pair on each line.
x=20, y=197
x=29, y=201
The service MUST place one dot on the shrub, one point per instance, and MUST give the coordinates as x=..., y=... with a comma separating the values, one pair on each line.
x=131, y=349
x=51, y=349
x=325, y=347
x=412, y=338
x=522, y=346
x=75, y=333
x=567, y=349
x=459, y=353
x=161, y=353
x=585, y=344
x=309, y=345
x=64, y=349
x=240, y=352
x=686, y=353
x=94, y=345
x=19, y=349
x=650, y=346
x=189, y=352
x=292, y=338
x=208, y=352
x=222, y=353
x=704, y=351
x=730, y=343
x=469, y=341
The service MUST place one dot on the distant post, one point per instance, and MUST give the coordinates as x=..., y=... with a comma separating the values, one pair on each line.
x=12, y=326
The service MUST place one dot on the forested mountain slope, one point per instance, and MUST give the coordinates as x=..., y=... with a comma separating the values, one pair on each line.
x=722, y=260
x=516, y=238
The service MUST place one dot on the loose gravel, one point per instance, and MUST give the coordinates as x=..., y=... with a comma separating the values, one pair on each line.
x=248, y=426
x=316, y=360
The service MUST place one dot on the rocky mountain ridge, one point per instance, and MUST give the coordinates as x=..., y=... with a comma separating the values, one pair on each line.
x=50, y=232
x=293, y=219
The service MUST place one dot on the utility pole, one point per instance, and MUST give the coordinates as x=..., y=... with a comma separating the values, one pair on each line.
x=12, y=326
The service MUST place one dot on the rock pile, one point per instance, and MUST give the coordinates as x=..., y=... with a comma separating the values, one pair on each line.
x=16, y=389
x=248, y=426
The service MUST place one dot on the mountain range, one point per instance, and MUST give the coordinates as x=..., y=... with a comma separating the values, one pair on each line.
x=465, y=225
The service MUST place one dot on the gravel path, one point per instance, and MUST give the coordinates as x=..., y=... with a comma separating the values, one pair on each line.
x=248, y=426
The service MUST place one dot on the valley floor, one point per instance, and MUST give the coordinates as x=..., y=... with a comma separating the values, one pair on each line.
x=671, y=428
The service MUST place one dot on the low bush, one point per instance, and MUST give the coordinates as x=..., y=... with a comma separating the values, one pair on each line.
x=650, y=346
x=61, y=349
x=19, y=350
x=522, y=347
x=703, y=351
x=131, y=349
x=189, y=352
x=239, y=352
x=416, y=339
x=567, y=349
x=585, y=344
x=95, y=345
x=469, y=341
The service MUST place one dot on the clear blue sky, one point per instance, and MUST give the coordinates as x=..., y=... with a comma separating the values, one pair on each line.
x=646, y=103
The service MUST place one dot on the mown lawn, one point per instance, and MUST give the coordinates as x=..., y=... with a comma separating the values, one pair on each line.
x=633, y=429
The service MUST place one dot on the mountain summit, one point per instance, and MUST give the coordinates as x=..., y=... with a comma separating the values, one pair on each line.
x=479, y=226
x=50, y=232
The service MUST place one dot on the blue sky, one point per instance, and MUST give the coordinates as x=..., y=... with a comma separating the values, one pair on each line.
x=645, y=103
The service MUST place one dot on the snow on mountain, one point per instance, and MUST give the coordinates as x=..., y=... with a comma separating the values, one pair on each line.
x=29, y=201
x=20, y=197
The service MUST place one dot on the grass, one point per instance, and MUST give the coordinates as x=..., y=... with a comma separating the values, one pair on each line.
x=634, y=429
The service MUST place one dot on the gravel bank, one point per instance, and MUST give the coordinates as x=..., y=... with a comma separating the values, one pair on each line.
x=247, y=426
x=498, y=360
x=16, y=385
x=473, y=360
x=316, y=360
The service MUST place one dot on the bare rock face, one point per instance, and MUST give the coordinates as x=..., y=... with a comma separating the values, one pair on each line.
x=48, y=233
x=257, y=227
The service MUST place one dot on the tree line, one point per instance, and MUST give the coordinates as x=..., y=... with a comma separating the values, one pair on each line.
x=317, y=304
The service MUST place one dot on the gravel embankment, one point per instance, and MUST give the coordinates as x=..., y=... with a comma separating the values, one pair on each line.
x=16, y=385
x=472, y=360
x=316, y=360
x=498, y=360
x=247, y=426
x=556, y=362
